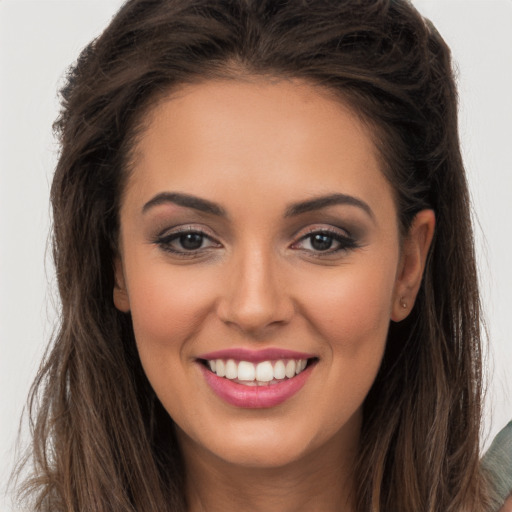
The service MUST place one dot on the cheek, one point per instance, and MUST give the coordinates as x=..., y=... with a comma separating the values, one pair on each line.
x=352, y=309
x=167, y=304
x=350, y=313
x=168, y=307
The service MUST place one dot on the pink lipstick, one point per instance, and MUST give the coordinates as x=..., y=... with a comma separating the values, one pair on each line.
x=256, y=379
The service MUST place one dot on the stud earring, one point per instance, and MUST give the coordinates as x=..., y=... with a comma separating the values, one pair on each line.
x=403, y=303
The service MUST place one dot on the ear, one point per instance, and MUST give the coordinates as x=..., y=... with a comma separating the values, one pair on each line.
x=121, y=298
x=412, y=263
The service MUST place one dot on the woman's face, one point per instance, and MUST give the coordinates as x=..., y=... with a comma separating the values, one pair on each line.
x=259, y=235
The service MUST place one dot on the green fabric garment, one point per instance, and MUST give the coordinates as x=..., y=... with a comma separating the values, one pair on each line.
x=497, y=463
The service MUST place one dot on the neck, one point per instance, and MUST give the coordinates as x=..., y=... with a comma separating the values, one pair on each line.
x=320, y=481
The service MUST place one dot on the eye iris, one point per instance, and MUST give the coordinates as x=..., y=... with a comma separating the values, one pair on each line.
x=321, y=242
x=191, y=241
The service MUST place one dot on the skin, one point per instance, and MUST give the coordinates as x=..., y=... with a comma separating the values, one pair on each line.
x=507, y=507
x=254, y=148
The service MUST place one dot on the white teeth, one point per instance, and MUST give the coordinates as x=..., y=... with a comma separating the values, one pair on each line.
x=257, y=374
x=264, y=371
x=231, y=369
x=279, y=370
x=246, y=371
x=290, y=368
x=220, y=369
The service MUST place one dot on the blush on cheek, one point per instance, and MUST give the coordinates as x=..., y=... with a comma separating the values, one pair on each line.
x=168, y=306
x=351, y=313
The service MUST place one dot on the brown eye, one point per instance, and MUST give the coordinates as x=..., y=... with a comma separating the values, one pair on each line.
x=186, y=242
x=321, y=241
x=191, y=241
x=325, y=241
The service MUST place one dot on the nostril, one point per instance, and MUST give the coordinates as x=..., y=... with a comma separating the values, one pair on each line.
x=256, y=315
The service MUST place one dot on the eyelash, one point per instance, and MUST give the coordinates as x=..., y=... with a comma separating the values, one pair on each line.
x=165, y=241
x=345, y=243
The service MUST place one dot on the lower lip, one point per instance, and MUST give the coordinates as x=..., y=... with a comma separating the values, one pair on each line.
x=255, y=397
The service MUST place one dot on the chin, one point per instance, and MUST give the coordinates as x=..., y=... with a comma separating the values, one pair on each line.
x=265, y=444
x=265, y=455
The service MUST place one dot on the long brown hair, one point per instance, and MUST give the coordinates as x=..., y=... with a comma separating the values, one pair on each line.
x=101, y=439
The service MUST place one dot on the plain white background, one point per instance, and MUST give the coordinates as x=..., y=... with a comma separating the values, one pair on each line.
x=39, y=39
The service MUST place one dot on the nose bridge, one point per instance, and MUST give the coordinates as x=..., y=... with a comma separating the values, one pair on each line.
x=256, y=296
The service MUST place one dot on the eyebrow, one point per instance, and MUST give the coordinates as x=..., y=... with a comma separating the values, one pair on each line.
x=317, y=203
x=203, y=205
x=186, y=200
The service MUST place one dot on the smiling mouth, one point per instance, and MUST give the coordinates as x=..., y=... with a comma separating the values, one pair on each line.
x=264, y=373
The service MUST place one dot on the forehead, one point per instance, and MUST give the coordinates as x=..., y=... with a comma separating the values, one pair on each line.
x=283, y=136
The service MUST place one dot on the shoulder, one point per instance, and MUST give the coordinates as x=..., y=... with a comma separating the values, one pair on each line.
x=497, y=464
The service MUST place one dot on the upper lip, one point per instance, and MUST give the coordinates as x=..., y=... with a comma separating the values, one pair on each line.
x=255, y=356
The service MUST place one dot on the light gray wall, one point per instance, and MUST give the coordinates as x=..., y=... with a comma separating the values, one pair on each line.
x=40, y=38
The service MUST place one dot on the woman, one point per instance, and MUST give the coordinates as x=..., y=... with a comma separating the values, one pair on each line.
x=265, y=261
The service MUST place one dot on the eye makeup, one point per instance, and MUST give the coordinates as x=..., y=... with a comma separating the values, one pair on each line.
x=187, y=241
x=321, y=234
x=324, y=240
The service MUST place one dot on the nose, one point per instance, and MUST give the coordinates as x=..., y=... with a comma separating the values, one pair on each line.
x=256, y=296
